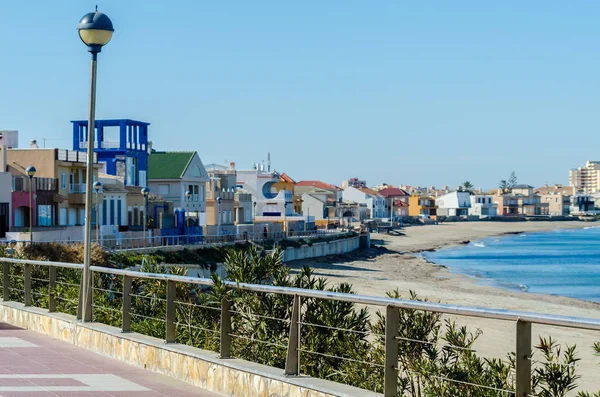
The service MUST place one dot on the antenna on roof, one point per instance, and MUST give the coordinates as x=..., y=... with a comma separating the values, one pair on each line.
x=96, y=7
x=269, y=162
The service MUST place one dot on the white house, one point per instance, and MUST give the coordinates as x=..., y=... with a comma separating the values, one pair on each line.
x=111, y=205
x=455, y=203
x=261, y=185
x=482, y=206
x=315, y=205
x=172, y=174
x=375, y=203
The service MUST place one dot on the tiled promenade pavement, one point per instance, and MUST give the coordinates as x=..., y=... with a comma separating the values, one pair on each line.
x=34, y=365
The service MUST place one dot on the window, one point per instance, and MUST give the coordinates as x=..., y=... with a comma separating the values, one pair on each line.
x=136, y=212
x=119, y=203
x=104, y=210
x=112, y=211
x=62, y=216
x=130, y=216
x=44, y=215
x=63, y=180
x=163, y=190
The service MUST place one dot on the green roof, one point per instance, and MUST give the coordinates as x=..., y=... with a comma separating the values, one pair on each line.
x=168, y=165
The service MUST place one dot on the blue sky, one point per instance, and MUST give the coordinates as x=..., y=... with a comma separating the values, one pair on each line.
x=428, y=93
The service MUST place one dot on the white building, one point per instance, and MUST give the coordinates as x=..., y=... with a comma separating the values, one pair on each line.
x=172, y=174
x=483, y=206
x=586, y=179
x=455, y=203
x=112, y=205
x=375, y=202
x=261, y=185
x=315, y=205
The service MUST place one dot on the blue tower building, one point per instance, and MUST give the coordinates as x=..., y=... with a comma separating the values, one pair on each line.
x=125, y=156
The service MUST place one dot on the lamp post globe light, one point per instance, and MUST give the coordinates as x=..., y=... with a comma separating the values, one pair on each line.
x=145, y=193
x=97, y=187
x=95, y=30
x=30, y=173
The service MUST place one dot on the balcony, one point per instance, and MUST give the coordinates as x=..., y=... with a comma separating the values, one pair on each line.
x=73, y=156
x=21, y=184
x=77, y=193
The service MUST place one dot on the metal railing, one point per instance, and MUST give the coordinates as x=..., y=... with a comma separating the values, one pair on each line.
x=77, y=188
x=225, y=311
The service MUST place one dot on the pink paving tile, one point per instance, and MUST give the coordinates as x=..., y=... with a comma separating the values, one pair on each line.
x=57, y=357
x=15, y=382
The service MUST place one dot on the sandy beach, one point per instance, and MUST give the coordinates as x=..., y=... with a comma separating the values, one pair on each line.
x=397, y=264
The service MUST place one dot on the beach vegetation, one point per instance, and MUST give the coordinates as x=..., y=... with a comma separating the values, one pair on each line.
x=340, y=341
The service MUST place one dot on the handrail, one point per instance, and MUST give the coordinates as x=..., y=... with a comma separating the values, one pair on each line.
x=522, y=320
x=471, y=311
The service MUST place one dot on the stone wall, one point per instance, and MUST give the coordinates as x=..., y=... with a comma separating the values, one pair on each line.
x=321, y=249
x=230, y=377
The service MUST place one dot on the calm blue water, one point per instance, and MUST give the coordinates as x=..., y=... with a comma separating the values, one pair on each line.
x=561, y=262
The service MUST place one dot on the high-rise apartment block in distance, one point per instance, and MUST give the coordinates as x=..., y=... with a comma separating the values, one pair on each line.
x=586, y=179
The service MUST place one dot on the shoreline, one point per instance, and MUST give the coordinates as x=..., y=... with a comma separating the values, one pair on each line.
x=397, y=262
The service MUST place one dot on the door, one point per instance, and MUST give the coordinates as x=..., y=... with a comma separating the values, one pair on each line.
x=3, y=219
x=72, y=216
x=62, y=218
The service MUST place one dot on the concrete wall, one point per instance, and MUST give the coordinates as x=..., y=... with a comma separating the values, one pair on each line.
x=57, y=233
x=229, y=377
x=321, y=249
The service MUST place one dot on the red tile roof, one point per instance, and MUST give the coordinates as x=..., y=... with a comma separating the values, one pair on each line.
x=400, y=203
x=286, y=178
x=393, y=191
x=317, y=184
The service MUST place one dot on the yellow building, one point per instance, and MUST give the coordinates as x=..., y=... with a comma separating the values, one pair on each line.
x=423, y=206
x=68, y=168
x=287, y=183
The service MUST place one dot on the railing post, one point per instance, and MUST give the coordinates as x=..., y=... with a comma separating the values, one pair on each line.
x=27, y=284
x=523, y=359
x=51, y=286
x=126, y=304
x=6, y=281
x=171, y=317
x=390, y=385
x=292, y=362
x=225, y=328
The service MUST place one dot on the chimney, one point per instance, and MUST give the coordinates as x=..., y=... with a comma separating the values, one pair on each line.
x=3, y=158
x=232, y=165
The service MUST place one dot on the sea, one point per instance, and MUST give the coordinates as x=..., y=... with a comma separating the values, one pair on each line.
x=564, y=262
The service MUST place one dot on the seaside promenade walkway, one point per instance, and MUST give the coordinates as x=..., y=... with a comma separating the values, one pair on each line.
x=35, y=365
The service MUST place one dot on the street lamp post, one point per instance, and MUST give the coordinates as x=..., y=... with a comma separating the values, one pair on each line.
x=95, y=30
x=188, y=198
x=145, y=193
x=97, y=187
x=285, y=218
x=219, y=216
x=30, y=173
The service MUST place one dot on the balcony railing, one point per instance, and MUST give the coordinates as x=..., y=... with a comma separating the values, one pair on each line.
x=73, y=156
x=21, y=184
x=77, y=188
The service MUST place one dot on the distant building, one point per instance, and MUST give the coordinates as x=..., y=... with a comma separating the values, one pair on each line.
x=10, y=139
x=5, y=194
x=483, y=206
x=354, y=182
x=586, y=179
x=396, y=200
x=172, y=174
x=521, y=201
x=375, y=203
x=422, y=206
x=124, y=154
x=455, y=203
x=59, y=186
x=261, y=185
x=558, y=198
